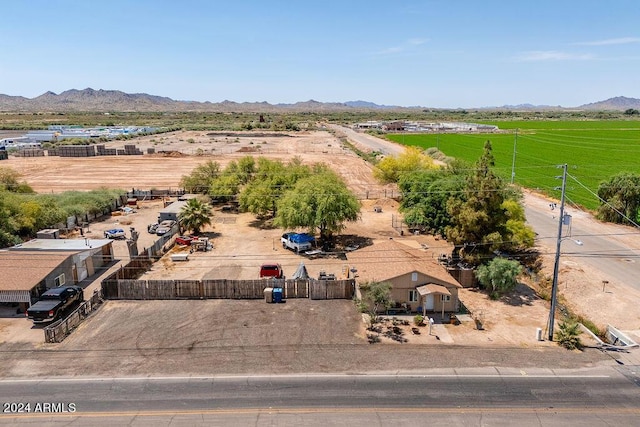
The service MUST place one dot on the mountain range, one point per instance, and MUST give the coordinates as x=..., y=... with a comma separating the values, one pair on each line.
x=115, y=100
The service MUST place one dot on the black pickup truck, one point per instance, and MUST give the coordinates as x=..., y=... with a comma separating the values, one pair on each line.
x=54, y=302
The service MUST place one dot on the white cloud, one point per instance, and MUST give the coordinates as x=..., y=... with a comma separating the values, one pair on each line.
x=621, y=40
x=553, y=55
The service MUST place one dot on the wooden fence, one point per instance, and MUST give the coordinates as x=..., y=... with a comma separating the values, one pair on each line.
x=58, y=331
x=132, y=289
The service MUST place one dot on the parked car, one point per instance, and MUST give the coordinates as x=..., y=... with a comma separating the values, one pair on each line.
x=53, y=303
x=151, y=228
x=115, y=233
x=164, y=227
x=271, y=270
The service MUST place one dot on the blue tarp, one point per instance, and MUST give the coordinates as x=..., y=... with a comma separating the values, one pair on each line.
x=301, y=238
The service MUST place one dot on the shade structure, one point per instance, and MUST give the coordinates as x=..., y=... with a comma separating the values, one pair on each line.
x=432, y=288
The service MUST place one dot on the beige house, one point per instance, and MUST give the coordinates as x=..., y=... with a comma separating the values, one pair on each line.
x=419, y=283
x=30, y=268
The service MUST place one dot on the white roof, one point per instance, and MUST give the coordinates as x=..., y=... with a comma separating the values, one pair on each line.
x=61, y=244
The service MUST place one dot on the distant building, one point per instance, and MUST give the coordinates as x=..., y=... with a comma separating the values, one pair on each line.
x=397, y=125
x=18, y=143
x=368, y=125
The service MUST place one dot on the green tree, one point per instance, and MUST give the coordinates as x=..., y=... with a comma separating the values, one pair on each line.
x=478, y=222
x=271, y=179
x=621, y=193
x=391, y=168
x=377, y=297
x=425, y=195
x=8, y=224
x=10, y=181
x=246, y=169
x=225, y=187
x=499, y=276
x=320, y=201
x=195, y=215
x=200, y=179
x=519, y=235
x=568, y=335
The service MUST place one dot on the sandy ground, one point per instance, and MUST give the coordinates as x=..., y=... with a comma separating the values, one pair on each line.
x=164, y=170
x=169, y=338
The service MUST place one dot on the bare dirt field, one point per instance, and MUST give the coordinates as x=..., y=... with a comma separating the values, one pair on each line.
x=208, y=337
x=181, y=156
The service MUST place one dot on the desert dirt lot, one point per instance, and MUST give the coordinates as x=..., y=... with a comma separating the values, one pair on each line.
x=209, y=337
x=164, y=170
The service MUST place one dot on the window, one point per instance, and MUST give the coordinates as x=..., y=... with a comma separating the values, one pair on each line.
x=413, y=295
x=414, y=277
x=445, y=298
x=59, y=281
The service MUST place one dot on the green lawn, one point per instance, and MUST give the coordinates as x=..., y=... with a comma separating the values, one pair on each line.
x=593, y=150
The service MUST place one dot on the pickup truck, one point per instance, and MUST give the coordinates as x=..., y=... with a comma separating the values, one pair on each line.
x=54, y=302
x=271, y=270
x=298, y=242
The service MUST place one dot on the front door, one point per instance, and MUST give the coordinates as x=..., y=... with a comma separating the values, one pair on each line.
x=429, y=302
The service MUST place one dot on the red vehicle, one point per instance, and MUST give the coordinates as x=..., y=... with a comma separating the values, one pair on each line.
x=185, y=240
x=271, y=270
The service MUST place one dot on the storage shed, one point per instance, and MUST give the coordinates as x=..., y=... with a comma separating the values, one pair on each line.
x=172, y=211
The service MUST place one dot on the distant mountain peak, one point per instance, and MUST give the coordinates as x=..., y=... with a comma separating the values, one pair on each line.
x=103, y=100
x=618, y=103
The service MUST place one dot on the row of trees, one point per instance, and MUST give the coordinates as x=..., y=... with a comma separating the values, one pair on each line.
x=23, y=212
x=294, y=195
x=469, y=205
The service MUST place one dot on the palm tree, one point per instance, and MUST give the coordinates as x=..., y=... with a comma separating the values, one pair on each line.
x=195, y=215
x=568, y=335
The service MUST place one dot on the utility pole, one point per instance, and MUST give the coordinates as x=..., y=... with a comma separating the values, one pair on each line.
x=513, y=163
x=556, y=265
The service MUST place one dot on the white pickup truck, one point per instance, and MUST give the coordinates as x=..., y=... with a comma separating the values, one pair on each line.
x=298, y=242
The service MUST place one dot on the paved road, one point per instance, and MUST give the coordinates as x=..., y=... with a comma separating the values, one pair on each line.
x=602, y=248
x=487, y=398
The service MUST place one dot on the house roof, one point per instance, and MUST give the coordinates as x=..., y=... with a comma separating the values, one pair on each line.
x=75, y=245
x=390, y=259
x=22, y=270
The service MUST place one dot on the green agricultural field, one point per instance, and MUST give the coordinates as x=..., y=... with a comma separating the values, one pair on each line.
x=593, y=151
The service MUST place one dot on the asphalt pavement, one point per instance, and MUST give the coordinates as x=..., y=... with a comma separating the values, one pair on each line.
x=595, y=398
x=600, y=249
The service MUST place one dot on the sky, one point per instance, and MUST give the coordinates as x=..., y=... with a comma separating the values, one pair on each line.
x=430, y=53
